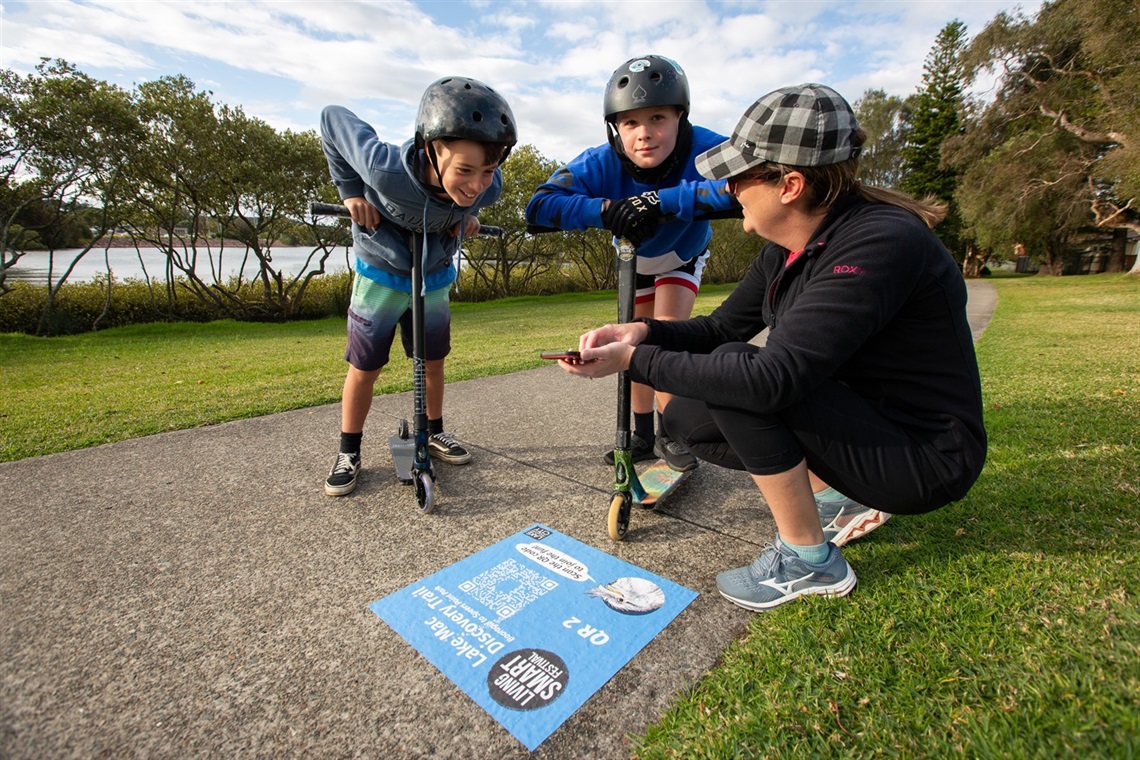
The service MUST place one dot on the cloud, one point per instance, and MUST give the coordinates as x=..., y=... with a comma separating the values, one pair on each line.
x=23, y=45
x=282, y=61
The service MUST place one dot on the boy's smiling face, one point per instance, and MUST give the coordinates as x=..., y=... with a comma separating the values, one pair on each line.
x=649, y=135
x=463, y=169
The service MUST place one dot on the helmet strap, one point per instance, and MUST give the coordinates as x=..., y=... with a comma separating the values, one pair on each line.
x=429, y=151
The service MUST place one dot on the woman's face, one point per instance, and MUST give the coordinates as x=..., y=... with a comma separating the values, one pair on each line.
x=649, y=135
x=758, y=193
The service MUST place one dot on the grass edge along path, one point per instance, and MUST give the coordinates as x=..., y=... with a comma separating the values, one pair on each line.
x=71, y=392
x=1005, y=625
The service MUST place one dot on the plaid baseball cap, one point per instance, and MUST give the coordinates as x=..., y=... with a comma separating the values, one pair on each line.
x=805, y=125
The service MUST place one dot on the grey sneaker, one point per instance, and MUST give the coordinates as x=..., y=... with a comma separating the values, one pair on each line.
x=445, y=448
x=639, y=450
x=676, y=455
x=778, y=575
x=847, y=520
x=342, y=479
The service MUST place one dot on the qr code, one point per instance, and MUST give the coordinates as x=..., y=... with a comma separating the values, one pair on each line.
x=507, y=587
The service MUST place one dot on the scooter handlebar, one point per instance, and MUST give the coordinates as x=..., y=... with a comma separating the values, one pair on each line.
x=728, y=213
x=316, y=208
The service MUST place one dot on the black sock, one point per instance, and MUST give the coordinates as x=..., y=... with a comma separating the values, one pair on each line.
x=643, y=426
x=435, y=426
x=350, y=443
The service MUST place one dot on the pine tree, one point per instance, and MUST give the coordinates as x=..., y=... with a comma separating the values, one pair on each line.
x=936, y=116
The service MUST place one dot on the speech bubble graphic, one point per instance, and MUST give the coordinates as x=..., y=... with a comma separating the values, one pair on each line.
x=555, y=560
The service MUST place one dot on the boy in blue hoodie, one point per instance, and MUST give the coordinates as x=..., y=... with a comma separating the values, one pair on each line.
x=433, y=186
x=643, y=186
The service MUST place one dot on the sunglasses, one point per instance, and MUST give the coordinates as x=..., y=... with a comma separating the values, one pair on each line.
x=762, y=175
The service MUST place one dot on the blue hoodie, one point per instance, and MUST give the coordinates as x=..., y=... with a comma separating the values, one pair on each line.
x=572, y=200
x=385, y=175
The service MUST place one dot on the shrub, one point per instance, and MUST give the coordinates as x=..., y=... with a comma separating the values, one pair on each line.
x=84, y=306
x=549, y=283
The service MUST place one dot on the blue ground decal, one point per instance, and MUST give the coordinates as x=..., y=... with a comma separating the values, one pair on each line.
x=532, y=626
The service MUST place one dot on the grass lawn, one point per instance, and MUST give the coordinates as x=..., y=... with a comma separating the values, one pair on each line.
x=1005, y=625
x=71, y=392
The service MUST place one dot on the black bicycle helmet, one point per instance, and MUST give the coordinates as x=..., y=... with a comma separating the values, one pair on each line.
x=648, y=80
x=644, y=82
x=465, y=109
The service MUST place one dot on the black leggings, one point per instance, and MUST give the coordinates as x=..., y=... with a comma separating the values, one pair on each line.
x=845, y=441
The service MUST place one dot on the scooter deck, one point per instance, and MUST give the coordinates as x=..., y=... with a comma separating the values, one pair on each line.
x=659, y=480
x=403, y=455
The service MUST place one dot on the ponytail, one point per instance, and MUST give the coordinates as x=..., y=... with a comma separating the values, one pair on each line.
x=929, y=209
x=827, y=183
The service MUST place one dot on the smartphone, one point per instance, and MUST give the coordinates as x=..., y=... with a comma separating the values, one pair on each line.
x=567, y=355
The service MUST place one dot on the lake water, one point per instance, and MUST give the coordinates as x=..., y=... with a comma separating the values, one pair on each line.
x=128, y=263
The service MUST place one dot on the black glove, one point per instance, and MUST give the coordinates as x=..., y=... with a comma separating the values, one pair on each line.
x=635, y=218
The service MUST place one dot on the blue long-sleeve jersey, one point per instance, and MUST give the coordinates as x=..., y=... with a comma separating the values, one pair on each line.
x=572, y=199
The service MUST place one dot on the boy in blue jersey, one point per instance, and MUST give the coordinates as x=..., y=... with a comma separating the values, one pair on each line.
x=643, y=186
x=429, y=190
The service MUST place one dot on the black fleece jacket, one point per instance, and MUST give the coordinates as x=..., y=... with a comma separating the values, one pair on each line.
x=875, y=302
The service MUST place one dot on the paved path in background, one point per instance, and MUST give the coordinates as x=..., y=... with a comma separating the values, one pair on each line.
x=196, y=594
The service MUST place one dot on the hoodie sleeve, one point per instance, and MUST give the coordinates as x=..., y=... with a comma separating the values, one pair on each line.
x=353, y=151
x=689, y=200
x=694, y=196
x=572, y=198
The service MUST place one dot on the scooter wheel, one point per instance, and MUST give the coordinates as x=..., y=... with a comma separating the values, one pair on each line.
x=619, y=516
x=402, y=431
x=425, y=492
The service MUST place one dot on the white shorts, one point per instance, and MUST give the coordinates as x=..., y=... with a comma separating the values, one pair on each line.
x=687, y=275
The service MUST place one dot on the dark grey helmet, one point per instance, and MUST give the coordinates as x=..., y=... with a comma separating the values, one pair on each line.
x=465, y=109
x=648, y=80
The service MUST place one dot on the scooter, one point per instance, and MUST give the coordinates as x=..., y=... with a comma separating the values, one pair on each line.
x=627, y=486
x=654, y=484
x=659, y=480
x=410, y=455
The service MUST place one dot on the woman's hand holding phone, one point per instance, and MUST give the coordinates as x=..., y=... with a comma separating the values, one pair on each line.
x=571, y=357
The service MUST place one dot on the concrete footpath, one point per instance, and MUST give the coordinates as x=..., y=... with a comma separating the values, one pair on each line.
x=196, y=594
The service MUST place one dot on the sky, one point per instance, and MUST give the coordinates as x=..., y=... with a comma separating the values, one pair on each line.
x=283, y=60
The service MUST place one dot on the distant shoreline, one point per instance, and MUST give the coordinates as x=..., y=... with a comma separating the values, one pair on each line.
x=122, y=241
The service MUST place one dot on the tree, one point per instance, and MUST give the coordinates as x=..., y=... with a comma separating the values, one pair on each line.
x=936, y=115
x=222, y=177
x=731, y=251
x=1006, y=202
x=274, y=177
x=883, y=117
x=1067, y=79
x=506, y=266
x=65, y=141
x=179, y=179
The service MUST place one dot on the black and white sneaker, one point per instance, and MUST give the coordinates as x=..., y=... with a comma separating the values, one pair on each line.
x=342, y=479
x=445, y=448
x=676, y=455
